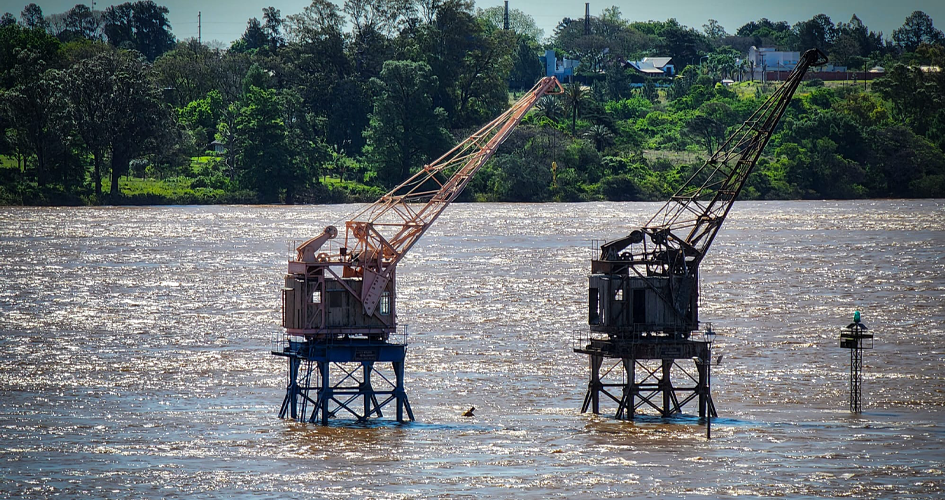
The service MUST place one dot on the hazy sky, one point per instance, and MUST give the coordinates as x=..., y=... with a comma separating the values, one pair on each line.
x=225, y=20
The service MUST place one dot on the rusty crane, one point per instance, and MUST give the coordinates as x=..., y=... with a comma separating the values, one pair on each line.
x=644, y=287
x=339, y=300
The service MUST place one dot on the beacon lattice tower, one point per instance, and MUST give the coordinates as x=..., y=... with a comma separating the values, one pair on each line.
x=345, y=353
x=643, y=296
x=855, y=338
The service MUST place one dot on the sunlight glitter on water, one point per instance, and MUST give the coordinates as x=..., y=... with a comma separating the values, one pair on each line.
x=135, y=361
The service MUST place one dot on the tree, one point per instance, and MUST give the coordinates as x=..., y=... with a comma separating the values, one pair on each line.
x=709, y=130
x=481, y=90
x=260, y=137
x=818, y=32
x=201, y=117
x=189, y=72
x=521, y=178
x=916, y=30
x=519, y=22
x=722, y=63
x=574, y=97
x=617, y=81
x=600, y=135
x=142, y=26
x=610, y=37
x=118, y=110
x=752, y=28
x=854, y=40
x=549, y=106
x=915, y=95
x=306, y=152
x=714, y=31
x=385, y=17
x=276, y=152
x=81, y=22
x=35, y=110
x=152, y=29
x=471, y=61
x=320, y=20
x=32, y=102
x=526, y=67
x=89, y=89
x=32, y=17
x=903, y=159
x=406, y=130
x=682, y=43
x=253, y=38
x=272, y=27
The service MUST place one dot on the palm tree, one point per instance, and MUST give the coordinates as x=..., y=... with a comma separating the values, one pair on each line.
x=574, y=97
x=549, y=106
x=600, y=135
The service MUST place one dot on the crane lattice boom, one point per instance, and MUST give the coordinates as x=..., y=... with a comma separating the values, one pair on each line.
x=664, y=254
x=389, y=227
x=378, y=236
x=694, y=214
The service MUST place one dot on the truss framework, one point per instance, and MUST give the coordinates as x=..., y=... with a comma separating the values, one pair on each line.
x=322, y=383
x=638, y=377
x=678, y=236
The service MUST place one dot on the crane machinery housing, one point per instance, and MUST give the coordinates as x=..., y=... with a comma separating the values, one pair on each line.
x=643, y=295
x=339, y=299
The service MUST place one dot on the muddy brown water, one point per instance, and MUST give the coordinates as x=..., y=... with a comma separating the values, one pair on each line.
x=134, y=358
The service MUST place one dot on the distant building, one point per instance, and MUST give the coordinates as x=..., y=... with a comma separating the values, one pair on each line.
x=561, y=69
x=779, y=65
x=653, y=66
x=767, y=58
x=218, y=147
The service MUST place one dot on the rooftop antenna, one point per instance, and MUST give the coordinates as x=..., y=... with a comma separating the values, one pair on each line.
x=855, y=338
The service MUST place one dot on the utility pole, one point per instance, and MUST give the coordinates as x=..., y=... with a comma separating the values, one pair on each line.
x=505, y=24
x=199, y=29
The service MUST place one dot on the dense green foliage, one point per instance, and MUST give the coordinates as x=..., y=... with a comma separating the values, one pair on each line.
x=338, y=104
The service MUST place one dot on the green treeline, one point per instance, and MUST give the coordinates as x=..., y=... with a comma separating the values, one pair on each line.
x=338, y=104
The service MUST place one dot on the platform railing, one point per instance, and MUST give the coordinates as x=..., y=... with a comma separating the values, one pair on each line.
x=280, y=341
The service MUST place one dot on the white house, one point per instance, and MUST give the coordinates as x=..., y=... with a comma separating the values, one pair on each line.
x=654, y=66
x=767, y=58
x=559, y=69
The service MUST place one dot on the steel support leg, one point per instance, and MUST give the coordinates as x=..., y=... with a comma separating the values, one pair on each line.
x=290, y=403
x=627, y=400
x=592, y=398
x=325, y=395
x=666, y=386
x=703, y=387
x=401, y=395
x=367, y=392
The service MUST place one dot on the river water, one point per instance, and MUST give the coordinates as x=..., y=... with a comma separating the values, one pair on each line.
x=134, y=358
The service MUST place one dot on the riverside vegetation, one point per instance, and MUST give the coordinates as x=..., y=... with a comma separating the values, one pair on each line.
x=339, y=104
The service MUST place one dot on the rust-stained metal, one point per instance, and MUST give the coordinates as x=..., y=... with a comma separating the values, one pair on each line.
x=644, y=287
x=344, y=293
